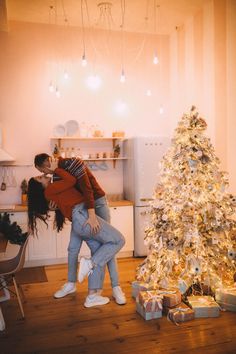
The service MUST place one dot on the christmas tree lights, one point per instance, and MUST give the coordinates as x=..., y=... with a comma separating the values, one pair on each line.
x=191, y=237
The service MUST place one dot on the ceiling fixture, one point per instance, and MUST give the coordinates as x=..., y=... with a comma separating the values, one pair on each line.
x=84, y=60
x=122, y=77
x=156, y=22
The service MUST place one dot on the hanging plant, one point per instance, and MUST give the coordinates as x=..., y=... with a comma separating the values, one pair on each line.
x=11, y=231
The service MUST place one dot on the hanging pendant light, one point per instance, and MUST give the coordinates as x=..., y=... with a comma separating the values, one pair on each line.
x=58, y=93
x=122, y=77
x=51, y=87
x=155, y=59
x=84, y=61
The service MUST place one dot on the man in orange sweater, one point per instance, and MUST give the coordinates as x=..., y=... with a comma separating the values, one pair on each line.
x=96, y=204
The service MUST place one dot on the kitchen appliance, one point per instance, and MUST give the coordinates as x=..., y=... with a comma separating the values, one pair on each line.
x=140, y=178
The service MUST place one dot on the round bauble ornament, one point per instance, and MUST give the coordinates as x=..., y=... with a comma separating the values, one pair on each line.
x=232, y=254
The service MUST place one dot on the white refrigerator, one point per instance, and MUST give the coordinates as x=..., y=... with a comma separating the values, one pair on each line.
x=141, y=174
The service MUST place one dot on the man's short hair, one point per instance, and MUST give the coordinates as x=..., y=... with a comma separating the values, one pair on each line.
x=40, y=158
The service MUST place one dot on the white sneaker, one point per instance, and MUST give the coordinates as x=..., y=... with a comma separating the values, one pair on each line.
x=66, y=289
x=85, y=268
x=96, y=300
x=118, y=295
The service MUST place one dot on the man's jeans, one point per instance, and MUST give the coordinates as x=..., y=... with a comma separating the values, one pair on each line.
x=104, y=245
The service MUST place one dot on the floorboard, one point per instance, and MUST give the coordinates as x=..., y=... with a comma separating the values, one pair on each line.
x=66, y=326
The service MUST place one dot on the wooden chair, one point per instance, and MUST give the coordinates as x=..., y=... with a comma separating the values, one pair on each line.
x=9, y=268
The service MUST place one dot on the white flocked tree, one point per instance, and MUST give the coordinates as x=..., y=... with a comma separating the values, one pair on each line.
x=192, y=229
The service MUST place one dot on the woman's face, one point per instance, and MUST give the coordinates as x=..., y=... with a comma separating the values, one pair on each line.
x=44, y=180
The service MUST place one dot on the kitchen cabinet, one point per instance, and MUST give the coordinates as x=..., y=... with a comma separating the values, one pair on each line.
x=50, y=246
x=122, y=219
x=43, y=246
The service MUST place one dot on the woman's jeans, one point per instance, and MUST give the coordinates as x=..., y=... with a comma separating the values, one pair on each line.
x=103, y=245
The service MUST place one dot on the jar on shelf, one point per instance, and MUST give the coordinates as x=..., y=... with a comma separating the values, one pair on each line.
x=62, y=152
x=72, y=154
x=56, y=152
x=83, y=128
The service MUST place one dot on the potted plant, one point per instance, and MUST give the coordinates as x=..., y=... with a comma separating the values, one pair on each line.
x=116, y=150
x=24, y=191
x=10, y=231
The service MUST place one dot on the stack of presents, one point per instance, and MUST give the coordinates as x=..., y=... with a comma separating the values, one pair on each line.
x=151, y=304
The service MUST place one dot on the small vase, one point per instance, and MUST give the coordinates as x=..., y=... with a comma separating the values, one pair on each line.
x=23, y=199
x=116, y=154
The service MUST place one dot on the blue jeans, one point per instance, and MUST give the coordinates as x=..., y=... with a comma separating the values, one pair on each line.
x=108, y=239
x=102, y=210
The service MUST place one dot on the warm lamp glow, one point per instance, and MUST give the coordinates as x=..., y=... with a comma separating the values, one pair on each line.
x=122, y=77
x=84, y=61
x=51, y=87
x=94, y=82
x=155, y=59
x=121, y=107
x=66, y=75
x=58, y=94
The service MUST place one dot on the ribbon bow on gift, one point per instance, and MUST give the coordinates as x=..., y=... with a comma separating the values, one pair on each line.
x=174, y=312
x=154, y=299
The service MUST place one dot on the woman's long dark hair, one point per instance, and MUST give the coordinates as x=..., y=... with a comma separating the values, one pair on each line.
x=38, y=207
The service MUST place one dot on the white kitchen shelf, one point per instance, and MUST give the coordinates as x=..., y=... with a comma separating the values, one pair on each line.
x=59, y=139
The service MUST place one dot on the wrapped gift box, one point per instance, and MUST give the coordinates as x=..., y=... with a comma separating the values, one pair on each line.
x=147, y=315
x=151, y=301
x=227, y=307
x=171, y=297
x=138, y=286
x=180, y=313
x=226, y=295
x=204, y=306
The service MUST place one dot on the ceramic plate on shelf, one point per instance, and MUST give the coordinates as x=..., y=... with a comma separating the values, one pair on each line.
x=59, y=130
x=72, y=127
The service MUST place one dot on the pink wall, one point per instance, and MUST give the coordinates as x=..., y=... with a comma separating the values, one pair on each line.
x=203, y=53
x=33, y=54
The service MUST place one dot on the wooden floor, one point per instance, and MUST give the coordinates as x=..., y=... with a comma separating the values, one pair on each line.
x=65, y=326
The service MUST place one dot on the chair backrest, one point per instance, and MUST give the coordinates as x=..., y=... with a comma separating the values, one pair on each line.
x=15, y=264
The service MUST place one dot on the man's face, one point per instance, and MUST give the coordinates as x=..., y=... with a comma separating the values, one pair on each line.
x=44, y=167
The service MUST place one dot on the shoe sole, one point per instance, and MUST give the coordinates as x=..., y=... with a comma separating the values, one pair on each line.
x=95, y=304
x=119, y=303
x=70, y=292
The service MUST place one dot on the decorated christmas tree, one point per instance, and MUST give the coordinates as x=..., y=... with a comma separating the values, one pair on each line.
x=192, y=229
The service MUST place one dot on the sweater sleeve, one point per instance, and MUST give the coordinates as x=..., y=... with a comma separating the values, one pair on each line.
x=78, y=169
x=67, y=181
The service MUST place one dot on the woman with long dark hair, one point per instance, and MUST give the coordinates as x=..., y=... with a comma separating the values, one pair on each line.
x=107, y=241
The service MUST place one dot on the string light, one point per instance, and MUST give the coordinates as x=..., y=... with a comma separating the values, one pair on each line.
x=51, y=87
x=155, y=59
x=156, y=22
x=122, y=77
x=58, y=94
x=84, y=60
x=66, y=75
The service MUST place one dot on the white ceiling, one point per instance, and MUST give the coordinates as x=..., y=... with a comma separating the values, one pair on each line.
x=153, y=16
